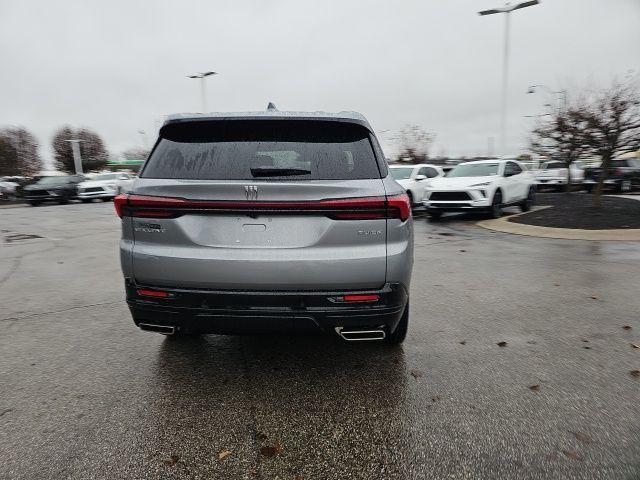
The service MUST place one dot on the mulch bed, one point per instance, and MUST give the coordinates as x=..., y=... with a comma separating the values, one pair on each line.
x=576, y=210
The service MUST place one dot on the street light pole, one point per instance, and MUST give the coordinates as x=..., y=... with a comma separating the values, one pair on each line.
x=77, y=159
x=203, y=90
x=507, y=9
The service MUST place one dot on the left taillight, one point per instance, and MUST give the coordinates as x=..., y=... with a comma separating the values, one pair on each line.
x=119, y=202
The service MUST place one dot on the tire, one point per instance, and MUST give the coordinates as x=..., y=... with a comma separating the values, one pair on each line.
x=410, y=195
x=63, y=201
x=108, y=199
x=588, y=188
x=435, y=216
x=34, y=203
x=526, y=205
x=86, y=200
x=400, y=333
x=496, y=205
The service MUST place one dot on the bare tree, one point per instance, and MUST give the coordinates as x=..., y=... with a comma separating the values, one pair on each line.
x=612, y=121
x=18, y=152
x=92, y=150
x=414, y=143
x=136, y=153
x=562, y=136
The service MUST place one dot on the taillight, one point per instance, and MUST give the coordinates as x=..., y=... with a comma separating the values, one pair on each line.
x=119, y=202
x=618, y=172
x=362, y=208
x=360, y=298
x=153, y=293
x=399, y=206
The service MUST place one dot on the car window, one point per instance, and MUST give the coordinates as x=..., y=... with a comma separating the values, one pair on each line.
x=106, y=176
x=432, y=172
x=401, y=173
x=241, y=150
x=618, y=163
x=474, y=170
x=550, y=165
x=424, y=171
x=512, y=169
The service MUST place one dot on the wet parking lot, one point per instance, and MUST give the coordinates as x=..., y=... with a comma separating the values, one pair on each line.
x=517, y=365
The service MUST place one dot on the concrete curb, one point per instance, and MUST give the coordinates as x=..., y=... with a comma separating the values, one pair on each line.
x=504, y=225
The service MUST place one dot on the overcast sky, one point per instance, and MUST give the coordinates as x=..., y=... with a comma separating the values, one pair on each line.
x=119, y=66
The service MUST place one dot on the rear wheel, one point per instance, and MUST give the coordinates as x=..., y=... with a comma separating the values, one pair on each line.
x=496, y=205
x=528, y=202
x=400, y=333
x=588, y=188
x=85, y=200
x=34, y=203
x=410, y=195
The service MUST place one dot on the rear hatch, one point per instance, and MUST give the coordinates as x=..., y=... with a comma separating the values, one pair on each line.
x=260, y=205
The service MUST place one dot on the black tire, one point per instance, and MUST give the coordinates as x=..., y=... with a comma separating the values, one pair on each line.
x=496, y=205
x=34, y=203
x=526, y=205
x=588, y=188
x=86, y=200
x=63, y=201
x=435, y=216
x=108, y=199
x=400, y=333
x=410, y=195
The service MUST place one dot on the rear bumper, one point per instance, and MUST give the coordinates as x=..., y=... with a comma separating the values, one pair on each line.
x=235, y=312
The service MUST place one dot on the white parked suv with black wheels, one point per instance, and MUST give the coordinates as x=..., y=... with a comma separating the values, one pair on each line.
x=415, y=178
x=104, y=186
x=485, y=185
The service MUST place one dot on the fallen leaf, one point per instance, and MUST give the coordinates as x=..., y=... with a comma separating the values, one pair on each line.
x=585, y=341
x=635, y=345
x=571, y=455
x=435, y=399
x=627, y=327
x=581, y=437
x=635, y=373
x=463, y=251
x=463, y=342
x=502, y=344
x=587, y=348
x=223, y=454
x=262, y=436
x=535, y=387
x=556, y=284
x=416, y=373
x=552, y=457
x=299, y=477
x=271, y=451
x=172, y=460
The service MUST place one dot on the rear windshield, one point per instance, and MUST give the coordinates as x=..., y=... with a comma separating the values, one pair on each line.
x=243, y=150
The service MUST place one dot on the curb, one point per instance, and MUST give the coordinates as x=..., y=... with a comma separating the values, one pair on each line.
x=504, y=225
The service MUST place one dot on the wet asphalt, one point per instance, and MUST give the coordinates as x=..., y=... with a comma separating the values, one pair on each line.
x=85, y=395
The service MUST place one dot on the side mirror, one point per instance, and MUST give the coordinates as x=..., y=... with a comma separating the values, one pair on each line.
x=420, y=177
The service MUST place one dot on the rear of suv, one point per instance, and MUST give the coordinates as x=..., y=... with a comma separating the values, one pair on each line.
x=267, y=221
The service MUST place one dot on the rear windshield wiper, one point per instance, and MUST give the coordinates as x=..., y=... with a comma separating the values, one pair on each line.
x=278, y=172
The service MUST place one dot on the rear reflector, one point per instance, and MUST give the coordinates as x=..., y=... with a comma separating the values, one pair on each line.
x=360, y=298
x=154, y=293
x=362, y=208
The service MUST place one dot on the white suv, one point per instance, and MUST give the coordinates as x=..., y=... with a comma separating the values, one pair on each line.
x=415, y=178
x=485, y=185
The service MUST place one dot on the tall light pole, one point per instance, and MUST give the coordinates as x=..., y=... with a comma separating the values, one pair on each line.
x=203, y=90
x=507, y=9
x=77, y=159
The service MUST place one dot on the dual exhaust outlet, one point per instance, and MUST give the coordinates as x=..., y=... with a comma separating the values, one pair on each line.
x=350, y=335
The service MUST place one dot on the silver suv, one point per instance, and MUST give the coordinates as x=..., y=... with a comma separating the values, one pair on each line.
x=267, y=221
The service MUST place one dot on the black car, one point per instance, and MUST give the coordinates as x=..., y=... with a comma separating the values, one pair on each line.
x=623, y=175
x=59, y=189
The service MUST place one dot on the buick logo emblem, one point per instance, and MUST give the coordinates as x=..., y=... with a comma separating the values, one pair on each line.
x=251, y=192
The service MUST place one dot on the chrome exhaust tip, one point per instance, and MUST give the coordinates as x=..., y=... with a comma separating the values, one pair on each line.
x=163, y=329
x=354, y=335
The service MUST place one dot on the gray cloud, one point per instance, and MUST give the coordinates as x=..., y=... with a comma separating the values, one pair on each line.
x=120, y=66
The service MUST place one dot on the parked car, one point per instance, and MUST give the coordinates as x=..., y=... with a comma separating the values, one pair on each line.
x=104, y=186
x=555, y=174
x=10, y=185
x=268, y=221
x=414, y=178
x=60, y=188
x=623, y=175
x=485, y=185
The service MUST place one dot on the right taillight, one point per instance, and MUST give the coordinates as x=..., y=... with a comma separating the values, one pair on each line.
x=119, y=203
x=399, y=206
